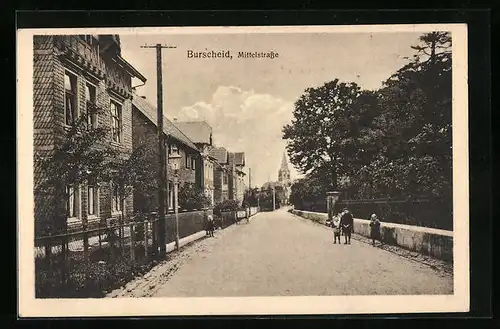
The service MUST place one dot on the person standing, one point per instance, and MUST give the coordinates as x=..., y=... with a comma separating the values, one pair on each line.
x=347, y=221
x=336, y=228
x=374, y=228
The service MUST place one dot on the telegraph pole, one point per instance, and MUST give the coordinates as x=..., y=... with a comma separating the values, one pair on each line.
x=274, y=198
x=162, y=173
x=249, y=178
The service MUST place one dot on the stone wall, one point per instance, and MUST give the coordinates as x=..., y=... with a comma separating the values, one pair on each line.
x=428, y=241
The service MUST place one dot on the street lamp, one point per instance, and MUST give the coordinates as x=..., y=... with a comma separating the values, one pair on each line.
x=174, y=165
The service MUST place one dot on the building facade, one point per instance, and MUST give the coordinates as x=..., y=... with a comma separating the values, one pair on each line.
x=183, y=156
x=221, y=174
x=200, y=132
x=73, y=75
x=237, y=186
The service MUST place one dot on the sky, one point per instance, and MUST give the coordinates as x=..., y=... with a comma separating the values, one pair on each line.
x=248, y=101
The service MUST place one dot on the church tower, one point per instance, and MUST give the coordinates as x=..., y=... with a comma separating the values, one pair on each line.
x=284, y=172
x=284, y=178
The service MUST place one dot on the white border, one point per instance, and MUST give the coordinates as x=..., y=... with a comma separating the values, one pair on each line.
x=458, y=302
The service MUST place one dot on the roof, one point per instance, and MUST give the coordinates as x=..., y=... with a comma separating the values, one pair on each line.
x=197, y=131
x=168, y=127
x=220, y=154
x=237, y=158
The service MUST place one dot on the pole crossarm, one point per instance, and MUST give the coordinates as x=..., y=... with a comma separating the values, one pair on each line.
x=159, y=46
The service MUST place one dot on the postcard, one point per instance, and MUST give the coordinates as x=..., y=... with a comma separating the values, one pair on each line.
x=243, y=170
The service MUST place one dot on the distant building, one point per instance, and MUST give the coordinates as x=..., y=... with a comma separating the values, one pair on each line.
x=237, y=176
x=200, y=132
x=179, y=147
x=221, y=173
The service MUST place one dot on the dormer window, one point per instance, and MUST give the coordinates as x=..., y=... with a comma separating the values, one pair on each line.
x=173, y=150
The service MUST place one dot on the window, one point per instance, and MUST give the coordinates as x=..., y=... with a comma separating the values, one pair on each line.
x=71, y=209
x=170, y=195
x=116, y=121
x=188, y=161
x=173, y=150
x=72, y=203
x=90, y=102
x=70, y=105
x=116, y=206
x=93, y=200
x=193, y=163
x=88, y=38
x=224, y=178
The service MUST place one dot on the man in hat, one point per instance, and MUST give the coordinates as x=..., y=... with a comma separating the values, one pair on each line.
x=346, y=222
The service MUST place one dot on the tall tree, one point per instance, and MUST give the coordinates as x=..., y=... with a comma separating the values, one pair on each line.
x=320, y=135
x=414, y=127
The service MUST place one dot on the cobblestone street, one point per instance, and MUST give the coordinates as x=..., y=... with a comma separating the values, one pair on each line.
x=278, y=254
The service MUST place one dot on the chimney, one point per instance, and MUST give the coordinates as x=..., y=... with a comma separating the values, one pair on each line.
x=175, y=119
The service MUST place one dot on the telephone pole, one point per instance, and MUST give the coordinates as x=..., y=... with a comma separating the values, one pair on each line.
x=162, y=173
x=249, y=178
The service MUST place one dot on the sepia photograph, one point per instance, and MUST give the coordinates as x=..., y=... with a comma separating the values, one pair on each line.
x=243, y=170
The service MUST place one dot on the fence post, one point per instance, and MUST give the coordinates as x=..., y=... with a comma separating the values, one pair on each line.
x=86, y=252
x=132, y=238
x=331, y=198
x=146, y=237
x=64, y=256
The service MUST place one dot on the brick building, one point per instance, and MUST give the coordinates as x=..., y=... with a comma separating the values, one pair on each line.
x=180, y=149
x=71, y=74
x=200, y=132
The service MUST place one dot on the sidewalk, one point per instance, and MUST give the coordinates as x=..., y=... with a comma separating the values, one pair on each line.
x=147, y=284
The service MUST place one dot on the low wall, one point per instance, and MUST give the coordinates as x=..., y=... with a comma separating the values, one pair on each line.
x=428, y=241
x=189, y=223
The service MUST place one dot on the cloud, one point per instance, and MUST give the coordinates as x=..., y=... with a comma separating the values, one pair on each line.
x=245, y=121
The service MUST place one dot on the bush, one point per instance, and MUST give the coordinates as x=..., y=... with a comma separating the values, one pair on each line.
x=192, y=197
x=226, y=205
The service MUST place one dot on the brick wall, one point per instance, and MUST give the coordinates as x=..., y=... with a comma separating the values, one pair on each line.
x=43, y=122
x=49, y=119
x=144, y=132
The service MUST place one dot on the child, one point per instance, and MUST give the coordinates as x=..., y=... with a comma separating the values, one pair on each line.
x=374, y=228
x=336, y=228
x=211, y=226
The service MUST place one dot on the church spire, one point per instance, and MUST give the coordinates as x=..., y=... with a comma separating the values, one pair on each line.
x=284, y=172
x=284, y=163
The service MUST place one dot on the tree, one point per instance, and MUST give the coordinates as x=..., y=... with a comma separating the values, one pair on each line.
x=414, y=127
x=192, y=197
x=251, y=197
x=132, y=170
x=226, y=205
x=393, y=142
x=83, y=154
x=323, y=134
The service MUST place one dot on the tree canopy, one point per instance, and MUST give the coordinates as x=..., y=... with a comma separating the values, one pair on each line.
x=391, y=142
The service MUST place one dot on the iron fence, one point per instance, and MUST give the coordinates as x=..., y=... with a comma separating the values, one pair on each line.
x=89, y=262
x=426, y=212
x=96, y=259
